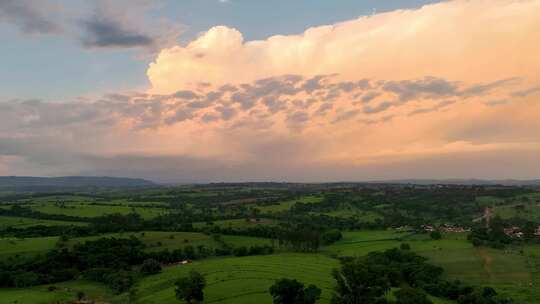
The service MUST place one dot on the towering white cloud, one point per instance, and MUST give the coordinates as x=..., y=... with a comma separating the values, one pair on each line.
x=476, y=40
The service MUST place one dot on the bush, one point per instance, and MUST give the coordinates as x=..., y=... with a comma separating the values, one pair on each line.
x=150, y=266
x=120, y=281
x=435, y=235
x=331, y=236
x=288, y=291
x=411, y=296
x=405, y=246
x=190, y=288
x=240, y=251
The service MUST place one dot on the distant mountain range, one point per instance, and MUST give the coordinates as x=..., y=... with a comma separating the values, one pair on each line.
x=69, y=182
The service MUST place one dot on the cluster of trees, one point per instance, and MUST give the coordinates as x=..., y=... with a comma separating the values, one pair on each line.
x=116, y=262
x=368, y=279
x=289, y=291
x=495, y=237
x=21, y=211
x=110, y=257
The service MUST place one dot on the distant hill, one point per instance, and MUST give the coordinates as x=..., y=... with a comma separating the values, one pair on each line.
x=69, y=182
x=504, y=182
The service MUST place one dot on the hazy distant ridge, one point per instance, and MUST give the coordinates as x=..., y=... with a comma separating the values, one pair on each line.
x=505, y=182
x=71, y=182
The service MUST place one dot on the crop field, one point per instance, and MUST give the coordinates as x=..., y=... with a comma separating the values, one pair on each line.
x=22, y=222
x=242, y=280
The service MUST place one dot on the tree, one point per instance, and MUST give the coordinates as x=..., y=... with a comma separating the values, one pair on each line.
x=331, y=236
x=132, y=295
x=411, y=296
x=288, y=291
x=360, y=281
x=80, y=295
x=190, y=288
x=405, y=246
x=120, y=281
x=150, y=266
x=436, y=235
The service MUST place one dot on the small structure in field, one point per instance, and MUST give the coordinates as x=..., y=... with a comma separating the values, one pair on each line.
x=514, y=231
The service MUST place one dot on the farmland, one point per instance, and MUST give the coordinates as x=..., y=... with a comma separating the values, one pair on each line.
x=245, y=238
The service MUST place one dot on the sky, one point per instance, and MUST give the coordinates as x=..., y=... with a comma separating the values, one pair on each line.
x=248, y=90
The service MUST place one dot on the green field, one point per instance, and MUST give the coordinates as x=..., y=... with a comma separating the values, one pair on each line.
x=10, y=247
x=86, y=210
x=530, y=212
x=154, y=241
x=22, y=222
x=286, y=205
x=235, y=223
x=247, y=279
x=364, y=216
x=513, y=271
x=242, y=280
x=64, y=293
x=510, y=272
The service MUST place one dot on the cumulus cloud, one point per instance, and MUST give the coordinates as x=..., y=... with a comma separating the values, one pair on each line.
x=451, y=40
x=401, y=94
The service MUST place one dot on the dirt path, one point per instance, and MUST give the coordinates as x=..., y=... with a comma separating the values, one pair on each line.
x=486, y=260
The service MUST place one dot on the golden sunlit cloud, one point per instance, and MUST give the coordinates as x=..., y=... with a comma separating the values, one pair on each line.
x=447, y=90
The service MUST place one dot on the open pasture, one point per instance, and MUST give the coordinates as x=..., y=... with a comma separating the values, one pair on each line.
x=64, y=292
x=22, y=222
x=94, y=210
x=530, y=211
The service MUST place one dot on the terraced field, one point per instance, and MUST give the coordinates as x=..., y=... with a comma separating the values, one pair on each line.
x=242, y=280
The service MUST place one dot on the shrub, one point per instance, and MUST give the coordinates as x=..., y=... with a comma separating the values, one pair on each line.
x=150, y=266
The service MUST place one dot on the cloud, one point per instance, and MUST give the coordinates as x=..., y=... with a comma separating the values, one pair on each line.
x=102, y=32
x=124, y=24
x=111, y=24
x=450, y=40
x=428, y=87
x=337, y=102
x=435, y=108
x=30, y=17
x=526, y=92
x=378, y=108
x=496, y=102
